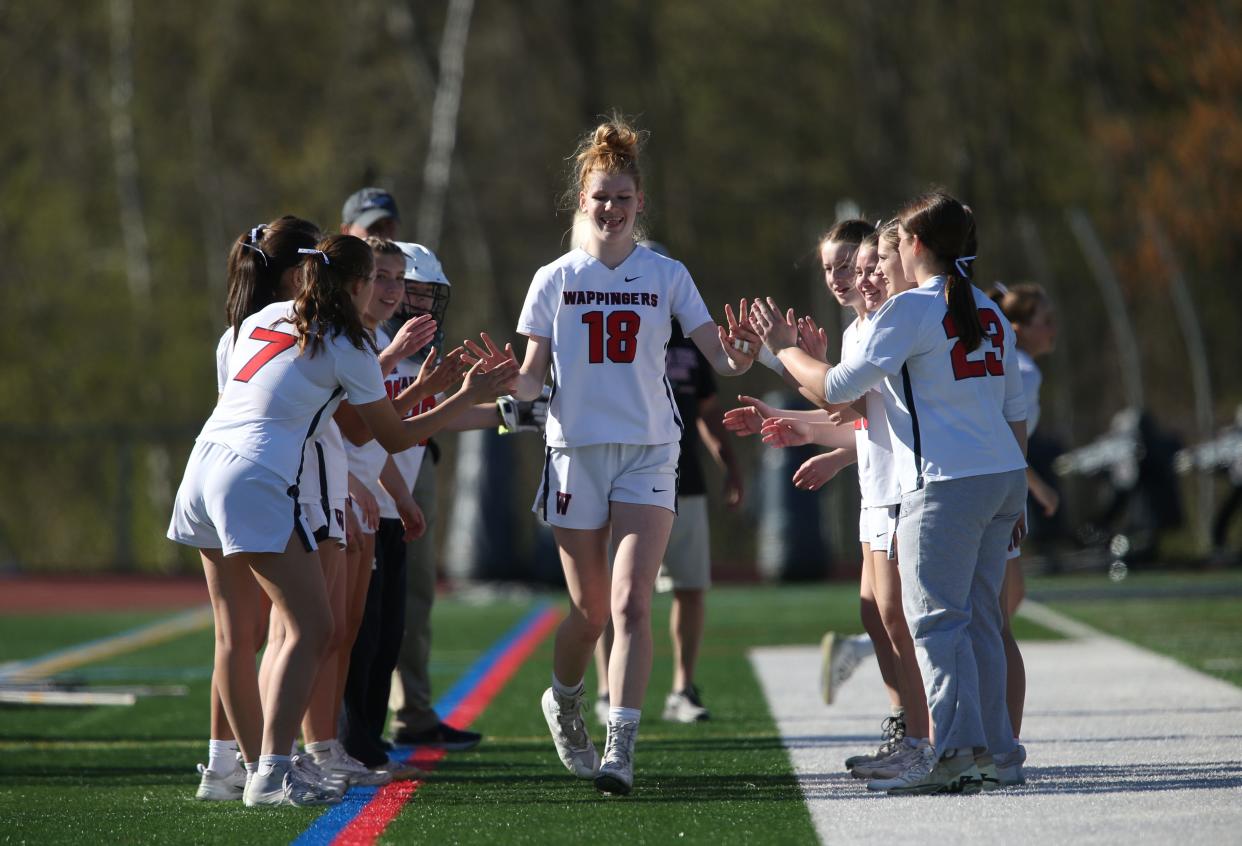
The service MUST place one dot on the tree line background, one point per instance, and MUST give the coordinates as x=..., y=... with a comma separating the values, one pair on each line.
x=140, y=137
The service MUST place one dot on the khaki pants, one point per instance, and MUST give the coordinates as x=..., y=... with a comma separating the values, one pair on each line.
x=410, y=699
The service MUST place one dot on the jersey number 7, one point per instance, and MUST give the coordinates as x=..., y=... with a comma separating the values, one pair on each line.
x=622, y=336
x=991, y=364
x=277, y=342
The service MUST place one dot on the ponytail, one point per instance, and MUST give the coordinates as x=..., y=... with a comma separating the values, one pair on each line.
x=324, y=308
x=960, y=297
x=947, y=228
x=258, y=260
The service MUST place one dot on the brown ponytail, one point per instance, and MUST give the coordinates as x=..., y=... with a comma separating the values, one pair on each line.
x=947, y=228
x=324, y=308
x=258, y=259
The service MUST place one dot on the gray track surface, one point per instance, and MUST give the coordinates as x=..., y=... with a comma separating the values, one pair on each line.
x=1125, y=746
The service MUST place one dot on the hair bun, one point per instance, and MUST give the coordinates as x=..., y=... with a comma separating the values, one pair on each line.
x=616, y=138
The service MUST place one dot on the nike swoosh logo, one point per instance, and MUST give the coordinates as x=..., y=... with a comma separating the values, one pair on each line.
x=659, y=490
x=632, y=278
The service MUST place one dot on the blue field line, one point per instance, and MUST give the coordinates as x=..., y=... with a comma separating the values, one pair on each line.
x=328, y=825
x=108, y=646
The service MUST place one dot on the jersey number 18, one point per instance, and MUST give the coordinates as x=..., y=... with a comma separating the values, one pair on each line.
x=622, y=336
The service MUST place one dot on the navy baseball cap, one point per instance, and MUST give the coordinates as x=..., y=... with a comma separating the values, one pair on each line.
x=365, y=207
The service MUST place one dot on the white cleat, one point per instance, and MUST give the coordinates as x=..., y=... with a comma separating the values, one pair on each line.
x=839, y=658
x=220, y=787
x=569, y=733
x=685, y=706
x=616, y=773
x=295, y=788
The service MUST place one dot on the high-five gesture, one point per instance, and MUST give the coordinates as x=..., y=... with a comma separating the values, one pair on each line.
x=777, y=331
x=812, y=340
x=783, y=432
x=489, y=355
x=415, y=334
x=740, y=342
x=485, y=385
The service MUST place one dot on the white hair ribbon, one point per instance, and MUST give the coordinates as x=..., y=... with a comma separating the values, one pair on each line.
x=307, y=251
x=963, y=265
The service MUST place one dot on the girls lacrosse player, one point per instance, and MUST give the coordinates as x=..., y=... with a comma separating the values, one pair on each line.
x=262, y=269
x=879, y=276
x=954, y=402
x=601, y=317
x=238, y=501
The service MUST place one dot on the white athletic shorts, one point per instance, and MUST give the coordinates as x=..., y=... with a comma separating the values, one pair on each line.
x=231, y=503
x=881, y=528
x=687, y=563
x=324, y=514
x=579, y=482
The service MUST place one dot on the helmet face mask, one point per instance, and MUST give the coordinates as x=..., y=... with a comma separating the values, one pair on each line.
x=423, y=298
x=427, y=291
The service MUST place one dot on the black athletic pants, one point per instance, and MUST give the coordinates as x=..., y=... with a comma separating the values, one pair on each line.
x=375, y=651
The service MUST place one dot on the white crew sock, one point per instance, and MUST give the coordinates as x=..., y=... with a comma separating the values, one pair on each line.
x=321, y=750
x=269, y=764
x=898, y=712
x=222, y=756
x=617, y=714
x=566, y=691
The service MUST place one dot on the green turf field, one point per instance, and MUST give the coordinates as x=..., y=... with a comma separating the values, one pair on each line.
x=126, y=775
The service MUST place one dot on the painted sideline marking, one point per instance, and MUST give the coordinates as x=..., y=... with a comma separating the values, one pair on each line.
x=107, y=647
x=367, y=811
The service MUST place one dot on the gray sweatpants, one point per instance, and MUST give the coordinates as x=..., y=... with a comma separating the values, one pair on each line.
x=952, y=536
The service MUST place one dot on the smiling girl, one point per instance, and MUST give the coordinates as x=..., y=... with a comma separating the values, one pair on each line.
x=600, y=317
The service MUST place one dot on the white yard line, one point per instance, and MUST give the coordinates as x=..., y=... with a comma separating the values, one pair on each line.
x=1125, y=746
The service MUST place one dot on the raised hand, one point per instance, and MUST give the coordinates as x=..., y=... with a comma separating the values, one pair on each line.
x=436, y=377
x=817, y=471
x=812, y=339
x=737, y=338
x=783, y=432
x=489, y=355
x=486, y=385
x=413, y=336
x=777, y=331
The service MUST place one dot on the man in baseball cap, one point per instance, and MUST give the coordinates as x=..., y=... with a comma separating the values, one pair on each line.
x=371, y=211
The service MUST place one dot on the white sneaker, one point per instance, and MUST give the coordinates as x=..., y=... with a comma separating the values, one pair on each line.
x=891, y=765
x=349, y=769
x=616, y=773
x=685, y=706
x=839, y=658
x=295, y=789
x=1009, y=767
x=569, y=733
x=221, y=787
x=926, y=775
x=602, y=705
x=893, y=731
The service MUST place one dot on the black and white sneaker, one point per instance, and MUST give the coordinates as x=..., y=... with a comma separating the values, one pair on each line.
x=685, y=706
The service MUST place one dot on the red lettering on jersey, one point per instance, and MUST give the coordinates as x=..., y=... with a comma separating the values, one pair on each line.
x=860, y=424
x=622, y=334
x=562, y=502
x=277, y=342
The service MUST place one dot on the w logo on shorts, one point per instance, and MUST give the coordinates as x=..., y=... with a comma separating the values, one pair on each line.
x=340, y=517
x=562, y=502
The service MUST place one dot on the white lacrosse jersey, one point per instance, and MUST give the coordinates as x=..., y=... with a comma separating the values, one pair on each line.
x=609, y=330
x=276, y=397
x=1032, y=379
x=223, y=350
x=948, y=409
x=408, y=461
x=877, y=471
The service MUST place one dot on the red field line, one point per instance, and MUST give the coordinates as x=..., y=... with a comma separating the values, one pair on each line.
x=37, y=594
